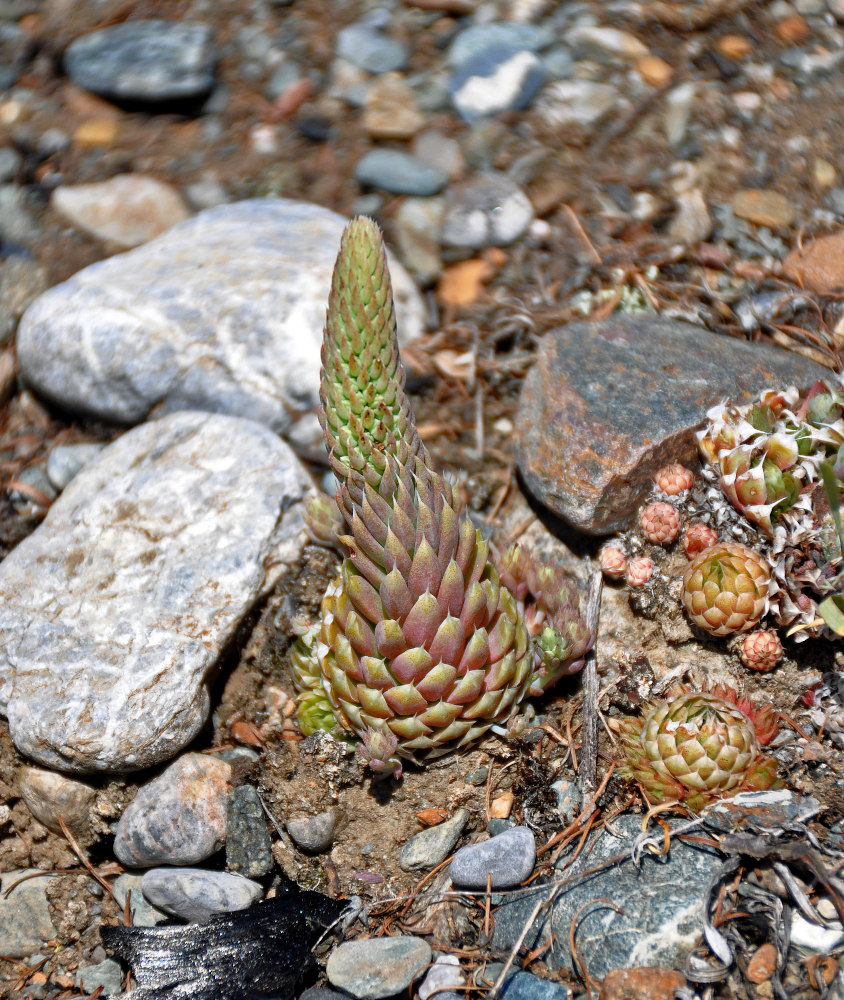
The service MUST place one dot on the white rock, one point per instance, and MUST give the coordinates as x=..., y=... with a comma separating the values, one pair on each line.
x=597, y=40
x=576, y=102
x=128, y=210
x=444, y=974
x=813, y=937
x=223, y=313
x=115, y=610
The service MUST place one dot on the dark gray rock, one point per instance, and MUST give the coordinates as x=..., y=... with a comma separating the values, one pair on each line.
x=25, y=922
x=759, y=812
x=499, y=78
x=428, y=848
x=660, y=902
x=399, y=173
x=519, y=985
x=608, y=403
x=313, y=833
x=179, y=818
x=374, y=968
x=507, y=860
x=195, y=894
x=488, y=211
x=223, y=312
x=114, y=612
x=248, y=843
x=144, y=61
x=322, y=993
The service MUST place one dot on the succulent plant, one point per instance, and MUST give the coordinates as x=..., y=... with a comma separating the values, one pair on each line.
x=612, y=560
x=639, y=571
x=698, y=537
x=725, y=588
x=761, y=651
x=696, y=746
x=660, y=523
x=674, y=479
x=420, y=647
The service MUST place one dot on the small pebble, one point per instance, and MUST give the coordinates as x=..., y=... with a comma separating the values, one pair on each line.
x=22, y=280
x=127, y=210
x=143, y=914
x=487, y=211
x=66, y=460
x=508, y=859
x=50, y=795
x=248, y=843
x=390, y=111
x=377, y=967
x=439, y=151
x=494, y=80
x=763, y=207
x=10, y=163
x=179, y=818
x=370, y=50
x=813, y=937
x=569, y=799
x=144, y=60
x=195, y=894
x=479, y=37
x=594, y=41
x=496, y=826
x=322, y=993
x=313, y=833
x=25, y=922
x=418, y=225
x=428, y=848
x=398, y=173
x=107, y=974
x=444, y=974
x=762, y=964
x=641, y=984
x=576, y=102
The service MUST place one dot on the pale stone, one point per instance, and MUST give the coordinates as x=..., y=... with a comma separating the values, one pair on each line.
x=223, y=313
x=51, y=796
x=128, y=210
x=115, y=610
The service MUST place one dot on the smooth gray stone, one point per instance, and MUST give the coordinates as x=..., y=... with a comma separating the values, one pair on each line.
x=507, y=860
x=487, y=211
x=116, y=609
x=18, y=226
x=374, y=968
x=107, y=974
x=428, y=848
x=248, y=845
x=25, y=922
x=195, y=894
x=179, y=817
x=370, y=50
x=313, y=833
x=472, y=40
x=399, y=173
x=144, y=61
x=520, y=985
x=144, y=914
x=22, y=280
x=66, y=460
x=661, y=904
x=224, y=312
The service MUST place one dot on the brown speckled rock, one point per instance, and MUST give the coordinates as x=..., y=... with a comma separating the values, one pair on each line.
x=179, y=818
x=607, y=403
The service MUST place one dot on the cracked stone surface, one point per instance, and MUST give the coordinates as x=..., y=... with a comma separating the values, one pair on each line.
x=223, y=312
x=661, y=904
x=115, y=611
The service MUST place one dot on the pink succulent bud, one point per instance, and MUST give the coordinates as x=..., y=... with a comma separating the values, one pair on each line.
x=660, y=523
x=674, y=479
x=613, y=561
x=761, y=651
x=377, y=748
x=639, y=571
x=698, y=537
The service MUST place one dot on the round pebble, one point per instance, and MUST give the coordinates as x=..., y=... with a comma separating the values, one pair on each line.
x=370, y=50
x=248, y=844
x=377, y=967
x=66, y=460
x=497, y=79
x=428, y=848
x=507, y=860
x=107, y=974
x=444, y=974
x=487, y=211
x=399, y=173
x=313, y=833
x=179, y=818
x=50, y=796
x=195, y=894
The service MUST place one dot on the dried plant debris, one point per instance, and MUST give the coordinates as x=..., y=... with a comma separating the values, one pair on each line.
x=262, y=951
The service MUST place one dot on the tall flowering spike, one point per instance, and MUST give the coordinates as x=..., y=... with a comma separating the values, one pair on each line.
x=419, y=648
